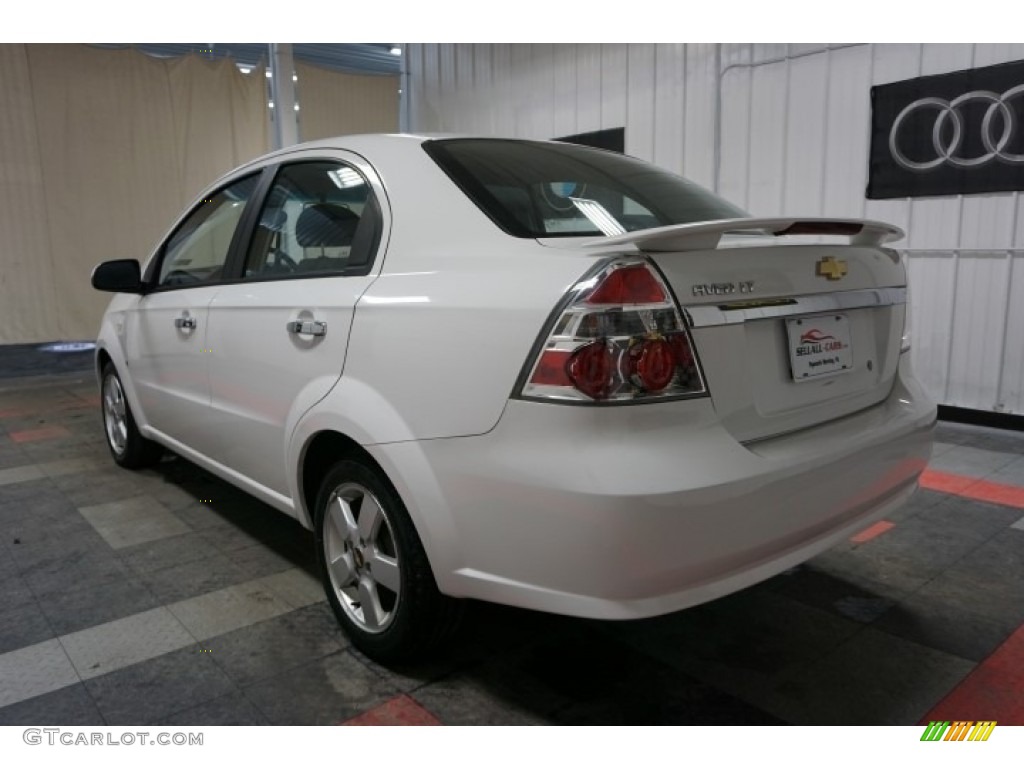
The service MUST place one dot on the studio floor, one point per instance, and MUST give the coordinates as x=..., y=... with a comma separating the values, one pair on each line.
x=167, y=597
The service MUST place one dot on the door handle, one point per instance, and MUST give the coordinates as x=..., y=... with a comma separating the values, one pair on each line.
x=186, y=323
x=309, y=327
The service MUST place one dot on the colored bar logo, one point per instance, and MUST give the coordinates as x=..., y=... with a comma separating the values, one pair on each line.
x=959, y=730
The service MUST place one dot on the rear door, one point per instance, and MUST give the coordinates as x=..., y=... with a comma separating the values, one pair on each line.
x=279, y=334
x=166, y=349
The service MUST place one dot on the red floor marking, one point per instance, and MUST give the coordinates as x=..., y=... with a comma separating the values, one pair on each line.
x=43, y=433
x=875, y=530
x=945, y=482
x=973, y=488
x=400, y=710
x=993, y=691
x=14, y=413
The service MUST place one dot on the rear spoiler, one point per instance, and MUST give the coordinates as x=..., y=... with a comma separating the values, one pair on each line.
x=706, y=235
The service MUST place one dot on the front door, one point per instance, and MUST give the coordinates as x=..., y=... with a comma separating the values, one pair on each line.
x=167, y=352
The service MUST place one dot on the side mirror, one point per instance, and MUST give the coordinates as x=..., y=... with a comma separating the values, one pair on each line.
x=118, y=276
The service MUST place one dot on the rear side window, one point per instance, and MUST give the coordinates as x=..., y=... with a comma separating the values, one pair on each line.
x=535, y=189
x=319, y=218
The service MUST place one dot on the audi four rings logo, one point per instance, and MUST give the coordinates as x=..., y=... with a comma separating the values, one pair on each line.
x=996, y=134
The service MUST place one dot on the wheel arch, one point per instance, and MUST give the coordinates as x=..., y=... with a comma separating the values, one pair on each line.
x=322, y=450
x=102, y=358
x=327, y=446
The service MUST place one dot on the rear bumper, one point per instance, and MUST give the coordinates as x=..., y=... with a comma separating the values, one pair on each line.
x=630, y=512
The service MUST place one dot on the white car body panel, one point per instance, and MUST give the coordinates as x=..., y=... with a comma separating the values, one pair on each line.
x=610, y=512
x=264, y=377
x=169, y=365
x=638, y=511
x=465, y=328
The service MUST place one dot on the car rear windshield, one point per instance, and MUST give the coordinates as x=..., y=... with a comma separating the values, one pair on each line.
x=541, y=189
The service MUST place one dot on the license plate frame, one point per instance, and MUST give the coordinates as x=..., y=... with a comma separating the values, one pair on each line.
x=819, y=346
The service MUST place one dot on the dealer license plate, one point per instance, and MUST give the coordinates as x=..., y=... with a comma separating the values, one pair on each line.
x=819, y=346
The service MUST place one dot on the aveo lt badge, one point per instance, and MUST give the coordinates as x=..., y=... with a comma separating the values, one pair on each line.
x=723, y=289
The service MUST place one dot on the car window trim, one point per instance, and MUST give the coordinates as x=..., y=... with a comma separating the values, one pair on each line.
x=235, y=262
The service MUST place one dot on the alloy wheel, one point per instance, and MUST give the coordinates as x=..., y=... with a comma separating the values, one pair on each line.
x=115, y=414
x=361, y=557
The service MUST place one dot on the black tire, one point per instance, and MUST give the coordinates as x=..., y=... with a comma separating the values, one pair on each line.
x=420, y=617
x=136, y=452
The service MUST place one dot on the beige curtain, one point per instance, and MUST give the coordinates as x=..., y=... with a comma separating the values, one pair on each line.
x=99, y=150
x=28, y=297
x=335, y=104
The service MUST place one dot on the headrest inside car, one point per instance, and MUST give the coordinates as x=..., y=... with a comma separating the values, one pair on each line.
x=326, y=225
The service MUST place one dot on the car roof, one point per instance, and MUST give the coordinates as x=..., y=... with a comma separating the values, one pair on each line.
x=358, y=142
x=373, y=143
x=373, y=146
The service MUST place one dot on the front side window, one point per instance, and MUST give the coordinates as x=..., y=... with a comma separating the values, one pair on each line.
x=540, y=189
x=319, y=218
x=198, y=249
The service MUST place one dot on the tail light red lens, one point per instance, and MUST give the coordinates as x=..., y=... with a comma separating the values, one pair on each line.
x=620, y=338
x=652, y=364
x=634, y=284
x=551, y=369
x=590, y=368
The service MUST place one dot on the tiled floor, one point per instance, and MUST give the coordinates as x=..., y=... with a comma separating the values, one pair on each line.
x=168, y=597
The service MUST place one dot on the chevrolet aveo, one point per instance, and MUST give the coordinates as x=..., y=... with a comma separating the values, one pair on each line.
x=525, y=372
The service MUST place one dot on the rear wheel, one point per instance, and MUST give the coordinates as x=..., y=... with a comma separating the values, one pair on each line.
x=374, y=568
x=127, y=445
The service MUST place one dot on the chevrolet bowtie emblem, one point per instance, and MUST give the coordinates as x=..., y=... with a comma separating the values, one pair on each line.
x=832, y=268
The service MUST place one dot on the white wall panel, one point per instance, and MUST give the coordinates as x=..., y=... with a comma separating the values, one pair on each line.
x=502, y=94
x=932, y=278
x=448, y=88
x=614, y=86
x=765, y=52
x=462, y=96
x=563, y=109
x=734, y=155
x=790, y=128
x=589, y=97
x=997, y=53
x=736, y=54
x=848, y=110
x=801, y=49
x=769, y=119
x=1018, y=217
x=699, y=92
x=520, y=66
x=669, y=105
x=986, y=221
x=640, y=100
x=806, y=125
x=483, y=78
x=1011, y=382
x=979, y=312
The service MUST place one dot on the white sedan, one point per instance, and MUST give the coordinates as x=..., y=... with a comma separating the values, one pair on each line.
x=526, y=372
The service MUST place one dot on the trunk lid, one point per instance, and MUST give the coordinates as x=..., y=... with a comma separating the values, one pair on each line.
x=795, y=321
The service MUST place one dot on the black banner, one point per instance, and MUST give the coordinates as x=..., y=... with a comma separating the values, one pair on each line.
x=956, y=134
x=612, y=138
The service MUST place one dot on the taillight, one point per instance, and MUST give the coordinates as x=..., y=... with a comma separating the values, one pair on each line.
x=620, y=338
